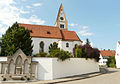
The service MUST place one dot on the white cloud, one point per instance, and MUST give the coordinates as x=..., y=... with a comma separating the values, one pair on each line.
x=37, y=4
x=32, y=19
x=9, y=14
x=73, y=25
x=28, y=6
x=85, y=27
x=85, y=32
x=23, y=0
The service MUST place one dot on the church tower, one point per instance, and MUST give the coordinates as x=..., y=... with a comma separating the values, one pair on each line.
x=61, y=21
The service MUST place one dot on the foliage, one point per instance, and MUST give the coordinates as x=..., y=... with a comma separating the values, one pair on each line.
x=41, y=54
x=53, y=49
x=86, y=51
x=63, y=55
x=111, y=62
x=87, y=41
x=16, y=37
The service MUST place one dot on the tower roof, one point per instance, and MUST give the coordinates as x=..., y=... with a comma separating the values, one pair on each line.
x=61, y=14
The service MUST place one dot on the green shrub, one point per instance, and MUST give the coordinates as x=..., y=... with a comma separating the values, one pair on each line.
x=53, y=49
x=111, y=62
x=63, y=55
x=41, y=54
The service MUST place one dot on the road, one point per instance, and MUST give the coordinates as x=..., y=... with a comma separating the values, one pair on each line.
x=113, y=77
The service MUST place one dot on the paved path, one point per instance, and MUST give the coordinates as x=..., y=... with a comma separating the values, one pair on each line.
x=113, y=77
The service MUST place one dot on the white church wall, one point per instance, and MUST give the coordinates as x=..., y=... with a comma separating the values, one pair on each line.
x=51, y=68
x=117, y=56
x=71, y=45
x=47, y=42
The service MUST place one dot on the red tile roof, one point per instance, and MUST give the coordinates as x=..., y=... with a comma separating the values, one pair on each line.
x=119, y=42
x=107, y=53
x=69, y=35
x=50, y=32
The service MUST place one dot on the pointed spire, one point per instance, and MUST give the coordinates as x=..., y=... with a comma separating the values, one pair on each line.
x=61, y=20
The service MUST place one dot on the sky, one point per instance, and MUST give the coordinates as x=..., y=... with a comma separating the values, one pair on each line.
x=97, y=20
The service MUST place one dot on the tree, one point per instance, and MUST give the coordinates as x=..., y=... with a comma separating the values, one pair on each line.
x=87, y=41
x=111, y=62
x=86, y=51
x=16, y=37
x=53, y=49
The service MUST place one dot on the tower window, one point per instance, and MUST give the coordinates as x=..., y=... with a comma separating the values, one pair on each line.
x=61, y=25
x=67, y=44
x=61, y=18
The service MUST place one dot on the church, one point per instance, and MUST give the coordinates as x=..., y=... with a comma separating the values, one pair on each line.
x=43, y=36
x=22, y=67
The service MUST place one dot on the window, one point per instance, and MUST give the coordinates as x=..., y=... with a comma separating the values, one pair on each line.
x=48, y=32
x=61, y=18
x=41, y=46
x=67, y=44
x=61, y=25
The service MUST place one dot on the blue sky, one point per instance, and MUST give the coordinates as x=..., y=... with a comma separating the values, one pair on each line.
x=98, y=20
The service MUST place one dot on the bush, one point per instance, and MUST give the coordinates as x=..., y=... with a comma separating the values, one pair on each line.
x=41, y=54
x=63, y=55
x=86, y=51
x=111, y=62
x=53, y=49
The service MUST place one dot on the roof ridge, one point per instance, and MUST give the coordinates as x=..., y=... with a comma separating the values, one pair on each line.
x=37, y=25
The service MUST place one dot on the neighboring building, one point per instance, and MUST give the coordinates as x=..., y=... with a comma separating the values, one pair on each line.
x=104, y=55
x=43, y=36
x=0, y=46
x=117, y=55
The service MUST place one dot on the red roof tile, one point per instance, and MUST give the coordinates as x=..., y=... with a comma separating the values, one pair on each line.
x=69, y=35
x=43, y=31
x=50, y=32
x=107, y=53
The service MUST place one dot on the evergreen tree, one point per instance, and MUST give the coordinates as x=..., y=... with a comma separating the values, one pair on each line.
x=16, y=37
x=87, y=41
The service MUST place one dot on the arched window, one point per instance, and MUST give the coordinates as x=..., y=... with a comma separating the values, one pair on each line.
x=41, y=46
x=26, y=66
x=11, y=67
x=67, y=44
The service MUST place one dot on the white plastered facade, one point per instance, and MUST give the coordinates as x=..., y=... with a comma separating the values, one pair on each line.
x=48, y=41
x=117, y=56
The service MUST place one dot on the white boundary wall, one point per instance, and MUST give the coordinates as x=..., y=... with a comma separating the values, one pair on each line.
x=51, y=68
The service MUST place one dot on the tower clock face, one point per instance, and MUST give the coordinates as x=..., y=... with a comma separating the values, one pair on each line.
x=61, y=18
